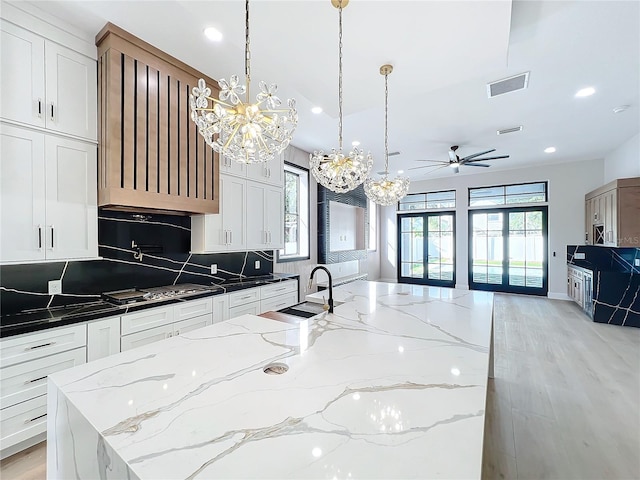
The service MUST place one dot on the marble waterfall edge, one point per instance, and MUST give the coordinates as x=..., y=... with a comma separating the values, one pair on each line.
x=392, y=385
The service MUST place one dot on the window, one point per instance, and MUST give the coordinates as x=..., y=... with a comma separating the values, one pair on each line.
x=428, y=201
x=296, y=214
x=373, y=226
x=508, y=194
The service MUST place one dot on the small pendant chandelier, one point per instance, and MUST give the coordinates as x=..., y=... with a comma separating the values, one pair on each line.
x=336, y=171
x=385, y=191
x=242, y=131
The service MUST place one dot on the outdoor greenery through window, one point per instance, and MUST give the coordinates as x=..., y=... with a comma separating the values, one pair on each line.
x=508, y=194
x=296, y=214
x=428, y=201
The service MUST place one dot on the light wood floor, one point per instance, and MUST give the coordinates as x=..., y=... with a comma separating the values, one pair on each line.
x=565, y=403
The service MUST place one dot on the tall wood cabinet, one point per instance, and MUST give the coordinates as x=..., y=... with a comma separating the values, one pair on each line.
x=612, y=214
x=48, y=147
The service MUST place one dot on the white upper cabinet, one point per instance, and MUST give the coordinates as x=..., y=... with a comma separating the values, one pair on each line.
x=225, y=231
x=51, y=86
x=49, y=204
x=265, y=206
x=270, y=172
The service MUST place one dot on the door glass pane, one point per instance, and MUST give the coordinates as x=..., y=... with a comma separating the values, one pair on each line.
x=446, y=223
x=405, y=247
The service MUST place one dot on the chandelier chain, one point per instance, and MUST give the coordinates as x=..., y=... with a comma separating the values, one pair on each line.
x=340, y=78
x=386, y=130
x=247, y=51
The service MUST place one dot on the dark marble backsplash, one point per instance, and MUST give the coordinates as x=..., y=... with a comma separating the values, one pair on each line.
x=606, y=259
x=159, y=255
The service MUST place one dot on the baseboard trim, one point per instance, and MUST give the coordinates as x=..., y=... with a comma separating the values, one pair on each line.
x=387, y=280
x=462, y=287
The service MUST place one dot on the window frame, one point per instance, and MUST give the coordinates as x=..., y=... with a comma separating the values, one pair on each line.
x=399, y=211
x=505, y=195
x=280, y=257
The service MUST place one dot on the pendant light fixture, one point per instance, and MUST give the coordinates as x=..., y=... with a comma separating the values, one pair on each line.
x=243, y=131
x=336, y=171
x=385, y=191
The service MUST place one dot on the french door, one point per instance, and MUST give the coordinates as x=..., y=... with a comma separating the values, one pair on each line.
x=508, y=250
x=426, y=248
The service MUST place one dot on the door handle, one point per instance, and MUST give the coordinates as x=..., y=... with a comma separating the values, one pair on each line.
x=39, y=108
x=39, y=237
x=51, y=105
x=52, y=235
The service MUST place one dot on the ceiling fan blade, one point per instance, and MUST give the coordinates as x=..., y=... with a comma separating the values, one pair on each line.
x=436, y=161
x=487, y=158
x=469, y=157
x=427, y=166
x=471, y=164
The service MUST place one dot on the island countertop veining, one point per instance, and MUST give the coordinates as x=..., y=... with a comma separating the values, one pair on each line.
x=392, y=385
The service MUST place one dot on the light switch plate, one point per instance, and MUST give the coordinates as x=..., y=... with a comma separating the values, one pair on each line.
x=55, y=287
x=214, y=269
x=579, y=256
x=257, y=264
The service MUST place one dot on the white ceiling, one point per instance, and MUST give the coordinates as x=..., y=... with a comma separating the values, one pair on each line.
x=443, y=52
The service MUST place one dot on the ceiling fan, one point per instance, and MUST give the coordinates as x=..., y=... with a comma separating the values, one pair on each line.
x=456, y=162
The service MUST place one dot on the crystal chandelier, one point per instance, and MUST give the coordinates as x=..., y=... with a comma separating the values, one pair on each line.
x=336, y=171
x=385, y=191
x=243, y=131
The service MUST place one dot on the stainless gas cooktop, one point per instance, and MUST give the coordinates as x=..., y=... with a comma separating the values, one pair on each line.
x=134, y=295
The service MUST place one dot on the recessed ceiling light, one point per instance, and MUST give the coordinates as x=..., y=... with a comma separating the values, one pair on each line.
x=316, y=110
x=586, y=92
x=213, y=34
x=400, y=172
x=549, y=149
x=621, y=108
x=355, y=143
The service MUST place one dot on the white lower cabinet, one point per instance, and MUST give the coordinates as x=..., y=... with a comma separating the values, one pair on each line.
x=252, y=308
x=220, y=308
x=180, y=328
x=103, y=338
x=152, y=335
x=278, y=296
x=27, y=361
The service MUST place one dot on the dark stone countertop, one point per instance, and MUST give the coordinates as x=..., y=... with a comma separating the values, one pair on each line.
x=33, y=320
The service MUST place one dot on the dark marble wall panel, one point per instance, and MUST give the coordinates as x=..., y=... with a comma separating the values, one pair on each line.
x=608, y=259
x=355, y=197
x=617, y=299
x=160, y=257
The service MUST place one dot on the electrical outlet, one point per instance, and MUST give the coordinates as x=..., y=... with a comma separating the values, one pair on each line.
x=257, y=264
x=637, y=262
x=579, y=256
x=55, y=287
x=214, y=269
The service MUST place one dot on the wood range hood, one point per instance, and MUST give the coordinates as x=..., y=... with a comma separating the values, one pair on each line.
x=150, y=156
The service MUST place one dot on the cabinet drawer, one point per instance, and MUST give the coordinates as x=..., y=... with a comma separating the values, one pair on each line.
x=23, y=421
x=28, y=380
x=193, y=308
x=252, y=308
x=192, y=324
x=279, y=302
x=244, y=296
x=146, y=319
x=145, y=337
x=37, y=345
x=281, y=288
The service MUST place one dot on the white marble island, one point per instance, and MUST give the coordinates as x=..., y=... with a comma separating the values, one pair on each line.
x=392, y=385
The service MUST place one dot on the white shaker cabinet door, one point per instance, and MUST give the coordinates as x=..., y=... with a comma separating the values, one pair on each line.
x=256, y=202
x=72, y=90
x=103, y=338
x=72, y=204
x=22, y=194
x=274, y=217
x=22, y=76
x=234, y=211
x=220, y=308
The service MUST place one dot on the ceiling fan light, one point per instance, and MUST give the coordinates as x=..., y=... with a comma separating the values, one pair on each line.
x=454, y=164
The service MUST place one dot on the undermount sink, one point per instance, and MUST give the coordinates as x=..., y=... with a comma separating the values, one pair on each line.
x=306, y=309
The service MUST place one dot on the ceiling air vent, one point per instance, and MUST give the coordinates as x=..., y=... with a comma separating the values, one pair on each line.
x=391, y=154
x=506, y=85
x=509, y=130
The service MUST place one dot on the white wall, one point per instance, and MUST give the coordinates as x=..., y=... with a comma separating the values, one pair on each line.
x=624, y=161
x=568, y=183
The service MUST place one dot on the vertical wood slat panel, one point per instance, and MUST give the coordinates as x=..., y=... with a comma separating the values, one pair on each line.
x=202, y=146
x=141, y=127
x=213, y=188
x=113, y=135
x=193, y=141
x=163, y=134
x=173, y=137
x=183, y=115
x=129, y=132
x=152, y=120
